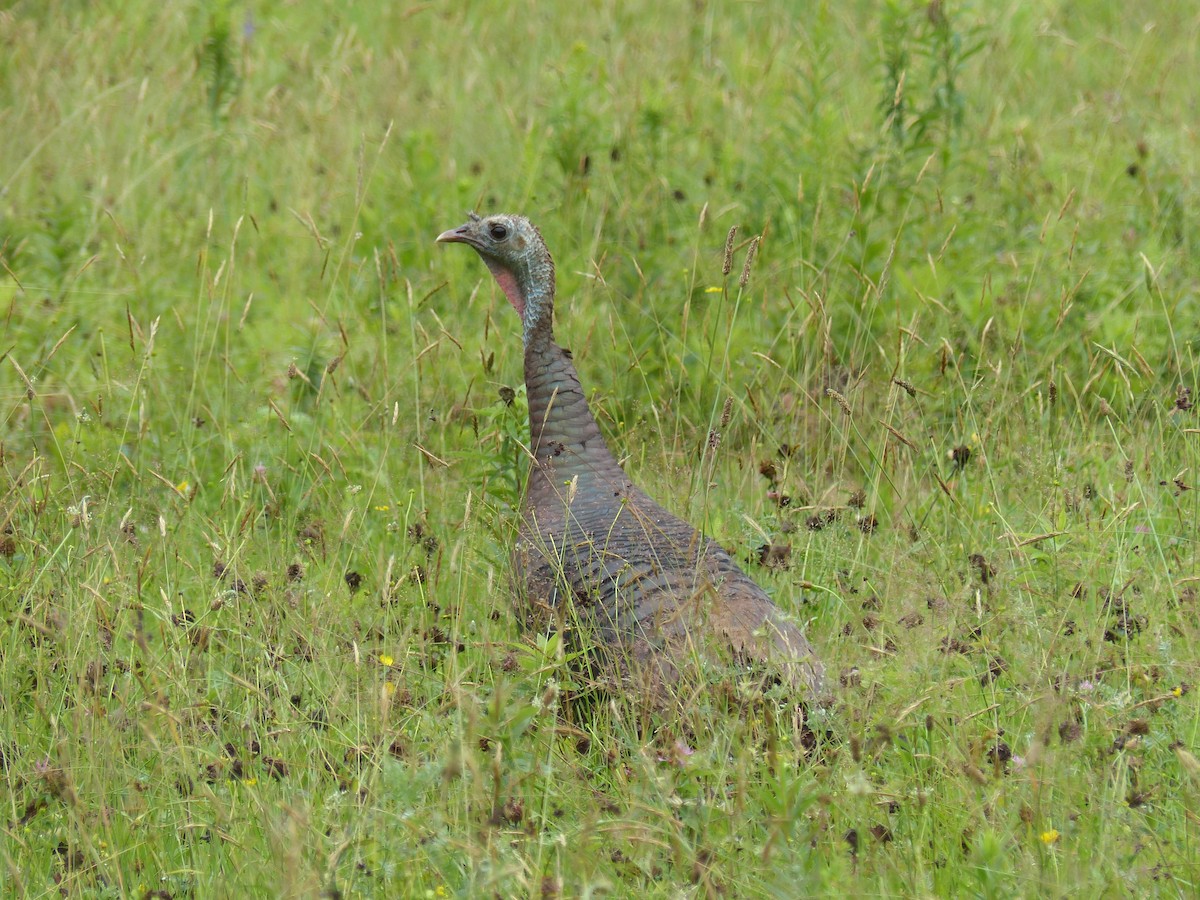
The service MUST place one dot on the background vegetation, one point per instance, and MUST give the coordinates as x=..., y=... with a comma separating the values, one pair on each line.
x=257, y=472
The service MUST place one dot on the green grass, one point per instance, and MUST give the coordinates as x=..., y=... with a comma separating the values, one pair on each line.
x=235, y=369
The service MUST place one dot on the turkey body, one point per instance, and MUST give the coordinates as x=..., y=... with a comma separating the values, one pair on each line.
x=595, y=553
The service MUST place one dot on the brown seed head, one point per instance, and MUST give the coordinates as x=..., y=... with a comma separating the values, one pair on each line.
x=841, y=400
x=727, y=267
x=750, y=251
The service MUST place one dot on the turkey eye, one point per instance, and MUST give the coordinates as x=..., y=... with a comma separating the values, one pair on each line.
x=498, y=232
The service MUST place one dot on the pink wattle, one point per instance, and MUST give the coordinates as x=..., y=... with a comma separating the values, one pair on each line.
x=508, y=283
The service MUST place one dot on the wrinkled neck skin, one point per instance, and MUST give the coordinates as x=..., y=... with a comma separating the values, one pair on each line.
x=561, y=426
x=530, y=289
x=538, y=321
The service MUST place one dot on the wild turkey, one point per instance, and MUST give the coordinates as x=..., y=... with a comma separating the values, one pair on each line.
x=663, y=599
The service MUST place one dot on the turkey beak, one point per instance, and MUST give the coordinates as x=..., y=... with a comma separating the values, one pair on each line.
x=455, y=235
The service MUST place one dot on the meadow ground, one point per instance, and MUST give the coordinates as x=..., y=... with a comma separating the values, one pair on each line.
x=257, y=466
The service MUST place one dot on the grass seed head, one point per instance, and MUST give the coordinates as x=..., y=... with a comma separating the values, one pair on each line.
x=727, y=266
x=840, y=398
x=750, y=252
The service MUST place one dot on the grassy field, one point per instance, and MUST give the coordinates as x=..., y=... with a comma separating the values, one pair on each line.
x=257, y=475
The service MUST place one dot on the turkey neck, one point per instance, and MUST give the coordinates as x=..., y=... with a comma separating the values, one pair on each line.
x=561, y=426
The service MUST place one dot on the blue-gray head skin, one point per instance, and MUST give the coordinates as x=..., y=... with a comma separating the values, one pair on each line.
x=517, y=257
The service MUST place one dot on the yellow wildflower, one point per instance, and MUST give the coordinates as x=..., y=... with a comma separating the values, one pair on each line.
x=385, y=660
x=712, y=289
x=1050, y=837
